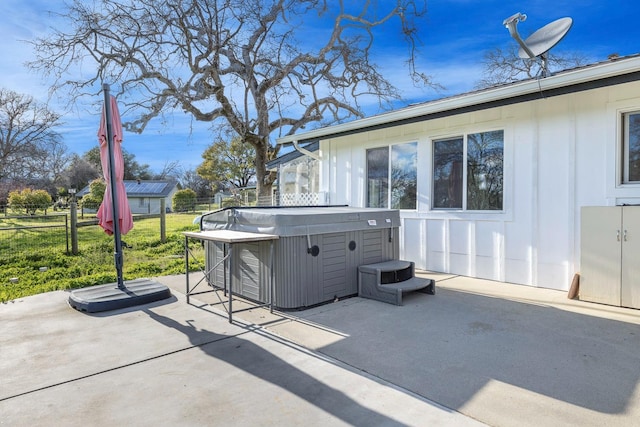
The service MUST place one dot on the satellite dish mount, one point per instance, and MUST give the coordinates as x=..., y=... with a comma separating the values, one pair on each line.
x=538, y=44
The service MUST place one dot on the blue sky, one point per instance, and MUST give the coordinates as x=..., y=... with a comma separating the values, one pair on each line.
x=455, y=36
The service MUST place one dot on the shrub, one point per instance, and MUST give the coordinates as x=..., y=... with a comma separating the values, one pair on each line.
x=184, y=200
x=29, y=200
x=229, y=202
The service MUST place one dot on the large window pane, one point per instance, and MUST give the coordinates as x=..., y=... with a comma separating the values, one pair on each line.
x=632, y=147
x=485, y=170
x=377, y=177
x=404, y=163
x=447, y=173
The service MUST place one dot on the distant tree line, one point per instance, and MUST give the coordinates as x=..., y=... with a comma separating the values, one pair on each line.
x=31, y=151
x=33, y=156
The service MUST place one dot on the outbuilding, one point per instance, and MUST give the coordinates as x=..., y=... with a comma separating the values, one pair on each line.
x=490, y=184
x=145, y=196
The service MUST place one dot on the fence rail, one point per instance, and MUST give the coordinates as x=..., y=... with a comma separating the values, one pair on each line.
x=56, y=232
x=16, y=233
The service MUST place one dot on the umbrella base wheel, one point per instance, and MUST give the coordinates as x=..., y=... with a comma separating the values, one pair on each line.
x=111, y=297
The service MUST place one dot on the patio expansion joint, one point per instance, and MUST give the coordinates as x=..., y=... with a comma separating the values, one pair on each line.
x=126, y=365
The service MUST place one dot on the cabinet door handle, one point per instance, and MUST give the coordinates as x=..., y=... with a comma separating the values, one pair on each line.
x=618, y=235
x=624, y=235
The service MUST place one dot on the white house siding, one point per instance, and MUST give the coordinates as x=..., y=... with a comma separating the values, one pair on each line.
x=144, y=205
x=560, y=153
x=150, y=205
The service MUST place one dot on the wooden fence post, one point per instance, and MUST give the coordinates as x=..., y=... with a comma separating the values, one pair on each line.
x=163, y=221
x=74, y=227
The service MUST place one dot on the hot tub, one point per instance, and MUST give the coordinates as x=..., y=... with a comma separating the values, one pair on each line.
x=317, y=256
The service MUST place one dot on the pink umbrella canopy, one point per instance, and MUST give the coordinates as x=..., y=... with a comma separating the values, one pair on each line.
x=105, y=212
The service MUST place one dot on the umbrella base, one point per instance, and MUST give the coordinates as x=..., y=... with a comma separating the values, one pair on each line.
x=110, y=297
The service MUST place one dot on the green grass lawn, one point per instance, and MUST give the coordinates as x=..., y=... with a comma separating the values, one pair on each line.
x=43, y=265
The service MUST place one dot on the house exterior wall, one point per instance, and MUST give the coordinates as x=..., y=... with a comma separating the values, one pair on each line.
x=560, y=153
x=139, y=205
x=149, y=205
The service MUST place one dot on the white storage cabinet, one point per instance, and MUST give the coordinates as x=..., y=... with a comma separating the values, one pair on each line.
x=610, y=255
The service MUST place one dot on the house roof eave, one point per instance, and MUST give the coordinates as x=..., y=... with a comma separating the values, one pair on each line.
x=577, y=79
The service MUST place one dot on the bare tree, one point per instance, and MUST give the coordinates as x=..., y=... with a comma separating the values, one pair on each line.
x=56, y=160
x=27, y=138
x=263, y=68
x=505, y=66
x=202, y=187
x=79, y=173
x=170, y=169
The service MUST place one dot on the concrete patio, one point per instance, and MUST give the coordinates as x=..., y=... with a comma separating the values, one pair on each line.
x=476, y=352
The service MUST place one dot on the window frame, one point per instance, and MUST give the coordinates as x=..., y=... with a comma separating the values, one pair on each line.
x=625, y=145
x=464, y=185
x=385, y=184
x=389, y=175
x=463, y=175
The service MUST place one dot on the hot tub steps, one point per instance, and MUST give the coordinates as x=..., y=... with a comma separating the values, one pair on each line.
x=387, y=281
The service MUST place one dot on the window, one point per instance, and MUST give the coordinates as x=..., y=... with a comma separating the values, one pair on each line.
x=447, y=173
x=631, y=147
x=485, y=170
x=482, y=154
x=377, y=177
x=391, y=176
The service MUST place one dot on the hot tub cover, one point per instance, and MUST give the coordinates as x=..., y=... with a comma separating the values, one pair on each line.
x=299, y=221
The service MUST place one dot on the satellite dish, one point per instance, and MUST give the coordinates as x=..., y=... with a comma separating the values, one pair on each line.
x=540, y=42
x=546, y=37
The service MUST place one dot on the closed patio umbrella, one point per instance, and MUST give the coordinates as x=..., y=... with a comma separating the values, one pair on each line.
x=114, y=214
x=105, y=212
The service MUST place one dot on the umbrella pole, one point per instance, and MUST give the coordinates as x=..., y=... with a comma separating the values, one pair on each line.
x=112, y=180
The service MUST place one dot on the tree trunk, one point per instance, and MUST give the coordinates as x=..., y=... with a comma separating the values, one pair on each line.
x=264, y=178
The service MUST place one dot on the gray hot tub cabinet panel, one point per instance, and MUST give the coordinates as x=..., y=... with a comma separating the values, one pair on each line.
x=309, y=268
x=302, y=279
x=250, y=275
